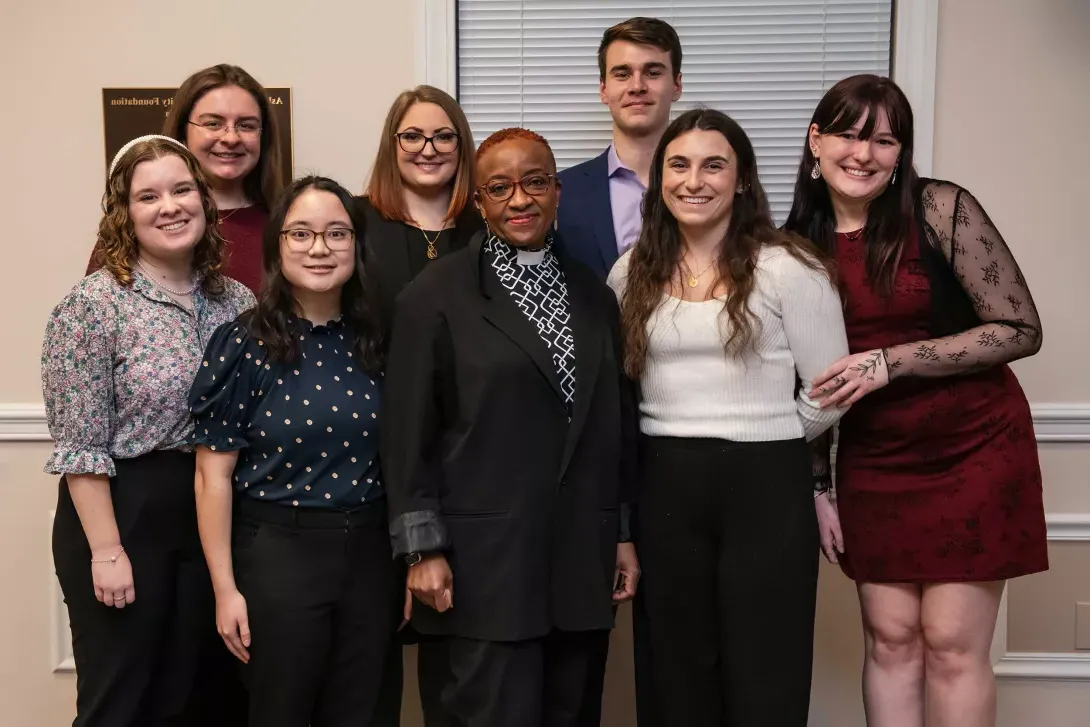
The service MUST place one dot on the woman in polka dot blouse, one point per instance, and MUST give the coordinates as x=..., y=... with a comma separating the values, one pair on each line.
x=291, y=510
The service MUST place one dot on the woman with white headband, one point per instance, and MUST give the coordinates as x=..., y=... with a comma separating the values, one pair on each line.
x=119, y=355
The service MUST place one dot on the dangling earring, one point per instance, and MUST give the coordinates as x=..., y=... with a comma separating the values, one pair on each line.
x=815, y=173
x=893, y=179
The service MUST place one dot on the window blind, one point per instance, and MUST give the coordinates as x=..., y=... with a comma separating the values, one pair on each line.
x=766, y=63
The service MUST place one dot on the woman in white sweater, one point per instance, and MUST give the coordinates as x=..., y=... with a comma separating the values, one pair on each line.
x=723, y=315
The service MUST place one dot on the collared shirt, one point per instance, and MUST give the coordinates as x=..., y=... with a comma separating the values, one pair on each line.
x=625, y=196
x=117, y=363
x=536, y=283
x=306, y=431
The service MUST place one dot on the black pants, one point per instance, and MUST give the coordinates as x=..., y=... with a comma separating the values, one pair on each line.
x=534, y=683
x=158, y=661
x=728, y=544
x=324, y=602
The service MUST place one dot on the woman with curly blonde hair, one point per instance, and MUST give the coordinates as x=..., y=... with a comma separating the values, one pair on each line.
x=119, y=355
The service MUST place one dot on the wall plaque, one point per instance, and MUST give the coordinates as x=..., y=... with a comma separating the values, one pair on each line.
x=132, y=112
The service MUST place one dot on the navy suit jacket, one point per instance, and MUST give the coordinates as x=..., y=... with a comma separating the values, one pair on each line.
x=585, y=216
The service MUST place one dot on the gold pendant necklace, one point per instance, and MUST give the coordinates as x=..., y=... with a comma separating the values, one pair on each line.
x=694, y=279
x=432, y=252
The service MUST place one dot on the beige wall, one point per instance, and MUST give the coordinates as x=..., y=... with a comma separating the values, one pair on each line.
x=1011, y=97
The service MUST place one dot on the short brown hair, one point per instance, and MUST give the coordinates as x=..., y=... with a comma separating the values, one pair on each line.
x=642, y=31
x=385, y=188
x=116, y=248
x=263, y=184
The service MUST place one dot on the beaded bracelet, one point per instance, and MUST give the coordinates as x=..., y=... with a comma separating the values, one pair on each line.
x=120, y=550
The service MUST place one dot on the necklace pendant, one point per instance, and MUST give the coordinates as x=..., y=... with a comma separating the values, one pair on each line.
x=432, y=252
x=692, y=281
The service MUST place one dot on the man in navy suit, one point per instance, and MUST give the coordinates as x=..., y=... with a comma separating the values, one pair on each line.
x=639, y=67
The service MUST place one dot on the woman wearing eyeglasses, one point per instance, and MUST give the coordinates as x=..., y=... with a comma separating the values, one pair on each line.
x=222, y=115
x=417, y=200
x=507, y=451
x=290, y=505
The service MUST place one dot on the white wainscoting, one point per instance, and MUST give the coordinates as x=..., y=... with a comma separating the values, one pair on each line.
x=60, y=642
x=1053, y=423
x=1057, y=666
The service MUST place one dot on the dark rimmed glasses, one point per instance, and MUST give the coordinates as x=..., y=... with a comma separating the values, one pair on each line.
x=302, y=239
x=501, y=189
x=413, y=142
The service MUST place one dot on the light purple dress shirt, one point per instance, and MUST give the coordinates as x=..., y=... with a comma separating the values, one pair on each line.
x=625, y=195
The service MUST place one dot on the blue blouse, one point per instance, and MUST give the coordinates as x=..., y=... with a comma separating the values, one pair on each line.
x=306, y=431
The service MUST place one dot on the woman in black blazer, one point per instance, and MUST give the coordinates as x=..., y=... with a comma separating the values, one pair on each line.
x=417, y=201
x=508, y=439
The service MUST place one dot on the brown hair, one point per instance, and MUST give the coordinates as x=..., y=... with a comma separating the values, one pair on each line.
x=642, y=31
x=385, y=188
x=263, y=184
x=889, y=216
x=117, y=248
x=656, y=257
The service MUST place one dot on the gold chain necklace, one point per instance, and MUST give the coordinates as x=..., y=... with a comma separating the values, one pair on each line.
x=432, y=252
x=694, y=279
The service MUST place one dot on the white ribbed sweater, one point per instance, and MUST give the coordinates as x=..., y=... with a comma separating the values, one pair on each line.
x=691, y=388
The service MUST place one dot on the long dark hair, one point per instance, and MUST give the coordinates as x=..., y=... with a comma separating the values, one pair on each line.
x=656, y=258
x=263, y=184
x=270, y=319
x=889, y=216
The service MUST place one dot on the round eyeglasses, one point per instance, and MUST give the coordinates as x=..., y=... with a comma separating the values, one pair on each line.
x=302, y=239
x=501, y=189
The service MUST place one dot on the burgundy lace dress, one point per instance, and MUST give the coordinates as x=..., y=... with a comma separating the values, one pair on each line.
x=937, y=473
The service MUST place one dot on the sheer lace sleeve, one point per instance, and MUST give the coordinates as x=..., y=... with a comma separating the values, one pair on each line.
x=989, y=274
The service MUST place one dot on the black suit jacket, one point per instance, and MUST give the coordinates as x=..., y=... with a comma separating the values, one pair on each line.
x=585, y=215
x=481, y=461
x=388, y=243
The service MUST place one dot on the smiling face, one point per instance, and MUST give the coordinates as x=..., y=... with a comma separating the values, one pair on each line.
x=639, y=86
x=524, y=169
x=165, y=207
x=313, y=263
x=699, y=179
x=854, y=168
x=220, y=134
x=427, y=165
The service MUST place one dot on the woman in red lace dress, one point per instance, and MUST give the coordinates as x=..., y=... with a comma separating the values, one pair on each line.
x=222, y=115
x=938, y=485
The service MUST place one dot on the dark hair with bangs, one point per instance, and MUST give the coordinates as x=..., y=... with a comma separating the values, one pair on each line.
x=889, y=215
x=270, y=319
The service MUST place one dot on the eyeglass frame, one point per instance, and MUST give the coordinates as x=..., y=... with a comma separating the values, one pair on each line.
x=223, y=132
x=554, y=180
x=429, y=140
x=314, y=235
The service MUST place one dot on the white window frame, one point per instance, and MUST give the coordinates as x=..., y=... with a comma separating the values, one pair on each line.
x=915, y=46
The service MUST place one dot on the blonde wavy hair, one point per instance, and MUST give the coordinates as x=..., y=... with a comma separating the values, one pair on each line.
x=117, y=248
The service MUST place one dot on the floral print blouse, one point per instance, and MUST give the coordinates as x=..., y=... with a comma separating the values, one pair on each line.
x=117, y=364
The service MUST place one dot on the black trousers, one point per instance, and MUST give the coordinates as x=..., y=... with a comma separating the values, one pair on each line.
x=534, y=683
x=324, y=602
x=158, y=661
x=728, y=544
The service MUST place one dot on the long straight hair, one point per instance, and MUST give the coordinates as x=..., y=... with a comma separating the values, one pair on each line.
x=385, y=189
x=656, y=258
x=890, y=214
x=270, y=320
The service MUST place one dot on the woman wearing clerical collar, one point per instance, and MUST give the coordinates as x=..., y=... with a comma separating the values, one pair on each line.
x=507, y=451
x=290, y=503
